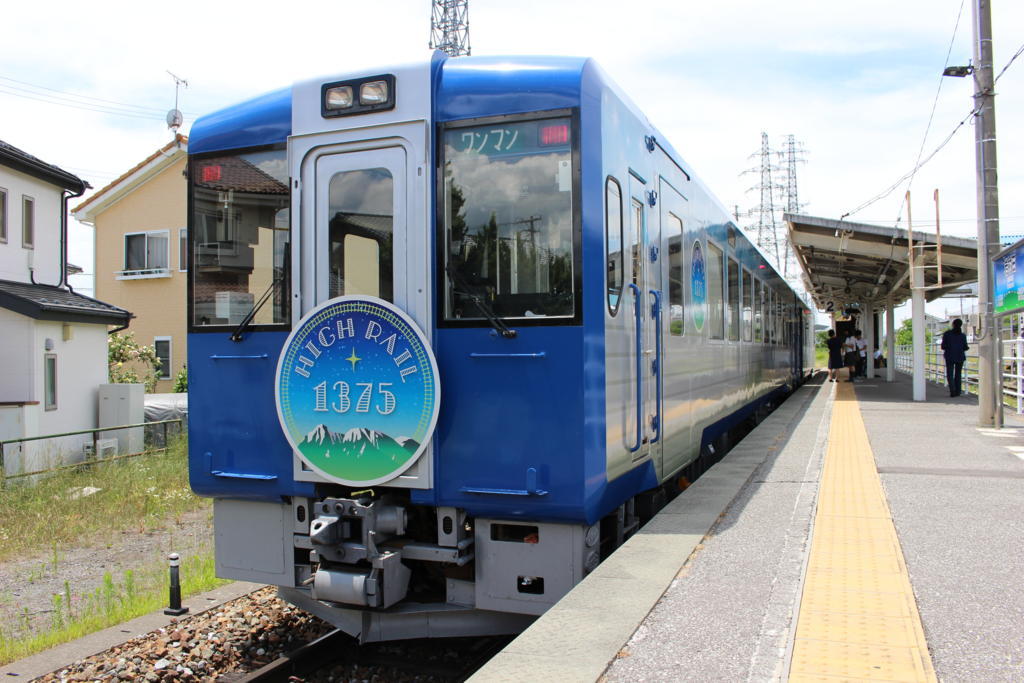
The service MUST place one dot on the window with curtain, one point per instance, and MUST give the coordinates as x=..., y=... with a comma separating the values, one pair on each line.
x=146, y=251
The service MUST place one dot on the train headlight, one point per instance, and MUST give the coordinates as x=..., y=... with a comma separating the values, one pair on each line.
x=339, y=97
x=357, y=96
x=374, y=92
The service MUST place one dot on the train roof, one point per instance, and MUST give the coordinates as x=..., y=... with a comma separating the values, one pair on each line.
x=510, y=84
x=467, y=87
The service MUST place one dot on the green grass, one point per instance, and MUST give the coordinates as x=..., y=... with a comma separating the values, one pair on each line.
x=820, y=357
x=136, y=494
x=114, y=602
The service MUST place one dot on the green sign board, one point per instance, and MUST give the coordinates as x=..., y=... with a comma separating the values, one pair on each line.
x=1008, y=279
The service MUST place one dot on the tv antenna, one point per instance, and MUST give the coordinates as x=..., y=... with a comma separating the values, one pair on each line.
x=174, y=117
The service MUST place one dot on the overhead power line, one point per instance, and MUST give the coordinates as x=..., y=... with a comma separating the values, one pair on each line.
x=909, y=174
x=38, y=93
x=931, y=115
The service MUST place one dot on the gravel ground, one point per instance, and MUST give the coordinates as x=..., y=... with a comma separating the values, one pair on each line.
x=27, y=586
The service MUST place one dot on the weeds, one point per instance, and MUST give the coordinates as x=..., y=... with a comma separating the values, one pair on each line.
x=136, y=494
x=112, y=602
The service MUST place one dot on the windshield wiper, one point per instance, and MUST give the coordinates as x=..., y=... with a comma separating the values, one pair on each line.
x=236, y=336
x=459, y=286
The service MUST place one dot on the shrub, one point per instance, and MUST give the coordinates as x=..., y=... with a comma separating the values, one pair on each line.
x=130, y=362
x=181, y=381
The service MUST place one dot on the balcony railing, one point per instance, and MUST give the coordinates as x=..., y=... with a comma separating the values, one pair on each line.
x=142, y=273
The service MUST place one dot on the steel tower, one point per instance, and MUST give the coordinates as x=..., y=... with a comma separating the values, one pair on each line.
x=767, y=234
x=449, y=27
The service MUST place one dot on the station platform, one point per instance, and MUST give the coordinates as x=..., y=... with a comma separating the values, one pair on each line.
x=853, y=535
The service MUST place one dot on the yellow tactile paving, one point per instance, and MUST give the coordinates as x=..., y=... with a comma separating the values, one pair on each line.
x=858, y=619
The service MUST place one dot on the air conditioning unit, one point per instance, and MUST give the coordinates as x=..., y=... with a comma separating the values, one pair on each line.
x=107, y=448
x=233, y=306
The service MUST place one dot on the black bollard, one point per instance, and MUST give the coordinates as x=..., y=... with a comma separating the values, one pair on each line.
x=175, y=608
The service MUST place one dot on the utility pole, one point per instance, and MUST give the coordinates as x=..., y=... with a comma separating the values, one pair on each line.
x=990, y=404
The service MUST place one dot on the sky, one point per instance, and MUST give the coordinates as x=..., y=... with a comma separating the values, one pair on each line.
x=855, y=83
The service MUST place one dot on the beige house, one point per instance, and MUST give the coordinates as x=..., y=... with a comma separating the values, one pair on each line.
x=141, y=251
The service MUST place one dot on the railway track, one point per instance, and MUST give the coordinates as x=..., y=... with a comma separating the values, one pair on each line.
x=335, y=655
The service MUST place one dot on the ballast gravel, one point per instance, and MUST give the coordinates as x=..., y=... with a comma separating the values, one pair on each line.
x=239, y=637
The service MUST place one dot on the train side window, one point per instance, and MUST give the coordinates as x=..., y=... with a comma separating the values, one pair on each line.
x=758, y=311
x=769, y=318
x=716, y=319
x=638, y=228
x=733, y=309
x=613, y=238
x=779, y=319
x=675, y=275
x=774, y=327
x=748, y=295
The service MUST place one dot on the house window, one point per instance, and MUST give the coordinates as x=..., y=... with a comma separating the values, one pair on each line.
x=183, y=249
x=50, y=379
x=28, y=222
x=3, y=215
x=146, y=254
x=163, y=352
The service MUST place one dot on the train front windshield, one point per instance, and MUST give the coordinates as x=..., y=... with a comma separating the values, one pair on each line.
x=508, y=217
x=240, y=238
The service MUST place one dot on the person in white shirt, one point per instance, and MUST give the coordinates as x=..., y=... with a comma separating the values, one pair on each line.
x=850, y=356
x=862, y=353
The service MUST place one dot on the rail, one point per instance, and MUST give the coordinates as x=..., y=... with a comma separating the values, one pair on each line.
x=93, y=458
x=935, y=369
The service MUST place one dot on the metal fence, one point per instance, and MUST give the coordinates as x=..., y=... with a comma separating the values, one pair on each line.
x=935, y=368
x=155, y=434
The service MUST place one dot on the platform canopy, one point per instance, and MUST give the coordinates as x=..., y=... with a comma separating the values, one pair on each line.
x=848, y=263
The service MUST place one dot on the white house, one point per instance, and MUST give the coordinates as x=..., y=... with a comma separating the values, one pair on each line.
x=53, y=340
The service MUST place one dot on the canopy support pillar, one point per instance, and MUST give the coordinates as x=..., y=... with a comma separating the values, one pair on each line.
x=890, y=340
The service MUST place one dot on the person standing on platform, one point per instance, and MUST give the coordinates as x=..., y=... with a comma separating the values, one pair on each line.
x=835, y=355
x=954, y=348
x=850, y=356
x=862, y=353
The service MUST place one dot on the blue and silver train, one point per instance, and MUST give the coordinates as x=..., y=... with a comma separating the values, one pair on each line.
x=455, y=330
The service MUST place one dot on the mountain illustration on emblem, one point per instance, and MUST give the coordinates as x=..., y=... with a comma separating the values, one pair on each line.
x=366, y=445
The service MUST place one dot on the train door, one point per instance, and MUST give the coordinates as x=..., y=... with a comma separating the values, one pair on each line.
x=675, y=416
x=363, y=232
x=646, y=287
x=360, y=227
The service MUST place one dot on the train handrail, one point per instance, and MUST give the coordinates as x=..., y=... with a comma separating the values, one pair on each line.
x=656, y=310
x=639, y=369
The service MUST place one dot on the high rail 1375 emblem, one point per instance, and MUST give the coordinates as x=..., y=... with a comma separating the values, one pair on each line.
x=357, y=390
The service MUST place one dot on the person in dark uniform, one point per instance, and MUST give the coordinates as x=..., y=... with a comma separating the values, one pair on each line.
x=954, y=348
x=835, y=355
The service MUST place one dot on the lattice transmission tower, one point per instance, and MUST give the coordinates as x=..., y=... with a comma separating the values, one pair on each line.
x=449, y=27
x=793, y=155
x=765, y=227
x=768, y=228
